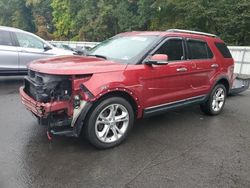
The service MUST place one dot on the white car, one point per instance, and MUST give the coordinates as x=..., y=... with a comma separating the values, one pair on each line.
x=18, y=48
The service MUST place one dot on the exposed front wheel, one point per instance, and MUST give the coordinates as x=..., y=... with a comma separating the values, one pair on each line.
x=216, y=101
x=109, y=122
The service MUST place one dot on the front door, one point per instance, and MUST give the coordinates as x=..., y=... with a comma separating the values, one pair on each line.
x=165, y=83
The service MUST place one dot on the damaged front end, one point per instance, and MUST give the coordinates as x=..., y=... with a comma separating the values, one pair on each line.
x=58, y=101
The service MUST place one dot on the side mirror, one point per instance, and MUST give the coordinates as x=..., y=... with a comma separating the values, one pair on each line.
x=46, y=47
x=158, y=59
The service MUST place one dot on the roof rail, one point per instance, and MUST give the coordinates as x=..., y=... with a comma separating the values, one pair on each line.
x=191, y=32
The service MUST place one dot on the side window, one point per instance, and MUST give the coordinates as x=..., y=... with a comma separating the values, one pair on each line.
x=28, y=41
x=5, y=38
x=198, y=50
x=223, y=50
x=173, y=48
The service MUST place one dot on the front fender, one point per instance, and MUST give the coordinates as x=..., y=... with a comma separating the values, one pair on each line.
x=107, y=83
x=121, y=90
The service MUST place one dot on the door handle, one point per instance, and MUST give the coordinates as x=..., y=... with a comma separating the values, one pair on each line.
x=214, y=65
x=183, y=69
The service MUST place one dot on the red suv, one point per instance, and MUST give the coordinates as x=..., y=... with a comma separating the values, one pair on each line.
x=131, y=75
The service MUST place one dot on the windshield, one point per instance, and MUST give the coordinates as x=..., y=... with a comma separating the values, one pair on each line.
x=124, y=48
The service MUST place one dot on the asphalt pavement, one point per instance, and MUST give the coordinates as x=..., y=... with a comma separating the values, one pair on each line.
x=182, y=148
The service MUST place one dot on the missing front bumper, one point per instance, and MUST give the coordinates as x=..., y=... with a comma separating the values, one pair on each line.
x=58, y=123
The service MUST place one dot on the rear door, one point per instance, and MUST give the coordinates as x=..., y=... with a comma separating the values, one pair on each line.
x=203, y=66
x=30, y=48
x=8, y=53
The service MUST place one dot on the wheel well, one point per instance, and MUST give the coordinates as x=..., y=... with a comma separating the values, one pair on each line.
x=225, y=82
x=122, y=94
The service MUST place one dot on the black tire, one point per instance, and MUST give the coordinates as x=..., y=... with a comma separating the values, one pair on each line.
x=90, y=128
x=207, y=107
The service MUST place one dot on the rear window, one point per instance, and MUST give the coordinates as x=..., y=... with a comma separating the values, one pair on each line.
x=5, y=38
x=198, y=50
x=223, y=50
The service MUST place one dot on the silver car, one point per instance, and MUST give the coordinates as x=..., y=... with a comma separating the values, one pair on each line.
x=18, y=48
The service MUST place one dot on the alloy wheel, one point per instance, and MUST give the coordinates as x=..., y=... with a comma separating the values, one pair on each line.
x=112, y=123
x=218, y=99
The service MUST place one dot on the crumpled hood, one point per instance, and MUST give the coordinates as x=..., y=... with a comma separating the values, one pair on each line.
x=75, y=65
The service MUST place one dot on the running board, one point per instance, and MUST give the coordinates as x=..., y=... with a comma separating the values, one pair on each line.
x=148, y=112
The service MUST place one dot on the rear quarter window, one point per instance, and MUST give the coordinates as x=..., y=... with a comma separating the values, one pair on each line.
x=223, y=50
x=198, y=49
x=5, y=38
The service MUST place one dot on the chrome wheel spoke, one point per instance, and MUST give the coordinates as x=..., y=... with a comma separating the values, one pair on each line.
x=112, y=110
x=219, y=92
x=114, y=132
x=102, y=117
x=217, y=106
x=102, y=122
x=218, y=99
x=118, y=130
x=221, y=98
x=122, y=117
x=115, y=108
x=214, y=104
x=106, y=134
